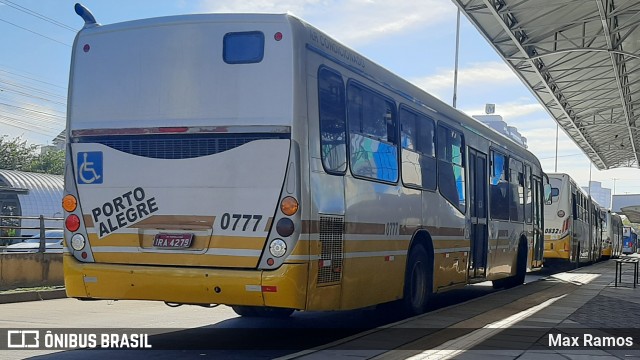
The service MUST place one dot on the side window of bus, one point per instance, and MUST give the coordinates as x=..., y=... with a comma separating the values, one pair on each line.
x=499, y=187
x=372, y=134
x=528, y=208
x=579, y=206
x=331, y=105
x=516, y=177
x=580, y=212
x=451, y=166
x=243, y=47
x=555, y=192
x=417, y=137
x=587, y=209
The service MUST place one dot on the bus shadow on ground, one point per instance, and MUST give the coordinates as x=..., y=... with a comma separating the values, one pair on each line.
x=251, y=338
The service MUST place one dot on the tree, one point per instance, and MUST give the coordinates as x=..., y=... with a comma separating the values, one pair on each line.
x=49, y=162
x=16, y=154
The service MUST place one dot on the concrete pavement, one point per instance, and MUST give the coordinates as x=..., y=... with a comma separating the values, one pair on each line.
x=578, y=314
x=546, y=319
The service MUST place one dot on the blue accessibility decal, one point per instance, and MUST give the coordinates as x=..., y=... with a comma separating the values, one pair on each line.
x=90, y=167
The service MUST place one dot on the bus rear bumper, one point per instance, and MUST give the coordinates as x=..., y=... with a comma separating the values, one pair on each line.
x=557, y=249
x=284, y=287
x=556, y=254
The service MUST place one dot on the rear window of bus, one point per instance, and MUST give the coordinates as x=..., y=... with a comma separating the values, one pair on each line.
x=243, y=47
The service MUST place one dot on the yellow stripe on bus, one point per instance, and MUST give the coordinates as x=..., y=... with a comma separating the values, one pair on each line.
x=366, y=245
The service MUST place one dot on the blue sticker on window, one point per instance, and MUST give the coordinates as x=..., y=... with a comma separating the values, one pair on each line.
x=90, y=167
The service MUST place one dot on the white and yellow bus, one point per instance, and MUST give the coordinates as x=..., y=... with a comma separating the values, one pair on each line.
x=573, y=225
x=253, y=161
x=611, y=234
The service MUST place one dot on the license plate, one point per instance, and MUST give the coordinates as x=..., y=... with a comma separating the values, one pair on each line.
x=173, y=240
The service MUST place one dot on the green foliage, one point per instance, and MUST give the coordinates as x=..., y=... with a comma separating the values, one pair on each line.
x=50, y=162
x=16, y=154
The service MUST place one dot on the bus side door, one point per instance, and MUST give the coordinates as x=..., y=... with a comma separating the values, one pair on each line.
x=478, y=182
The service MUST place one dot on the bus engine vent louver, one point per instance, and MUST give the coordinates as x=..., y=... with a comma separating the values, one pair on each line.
x=330, y=263
x=178, y=146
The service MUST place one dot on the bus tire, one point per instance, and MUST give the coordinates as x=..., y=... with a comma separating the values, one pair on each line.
x=246, y=311
x=418, y=283
x=499, y=283
x=263, y=311
x=521, y=270
x=521, y=265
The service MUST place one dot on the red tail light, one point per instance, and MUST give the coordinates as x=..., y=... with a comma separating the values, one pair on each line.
x=72, y=223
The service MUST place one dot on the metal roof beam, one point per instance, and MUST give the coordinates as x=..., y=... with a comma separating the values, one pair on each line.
x=538, y=66
x=622, y=79
x=588, y=50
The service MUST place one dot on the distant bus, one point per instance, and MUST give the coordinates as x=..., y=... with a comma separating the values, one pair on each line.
x=573, y=229
x=253, y=161
x=611, y=234
x=629, y=240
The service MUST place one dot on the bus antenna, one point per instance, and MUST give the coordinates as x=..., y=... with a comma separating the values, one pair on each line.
x=86, y=15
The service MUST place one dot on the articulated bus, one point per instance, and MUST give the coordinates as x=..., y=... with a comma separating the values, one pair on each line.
x=253, y=161
x=629, y=240
x=611, y=234
x=574, y=228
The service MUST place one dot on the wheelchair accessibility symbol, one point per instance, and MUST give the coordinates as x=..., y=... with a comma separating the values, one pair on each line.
x=90, y=167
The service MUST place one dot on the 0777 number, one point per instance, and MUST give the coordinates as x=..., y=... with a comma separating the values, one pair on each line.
x=236, y=222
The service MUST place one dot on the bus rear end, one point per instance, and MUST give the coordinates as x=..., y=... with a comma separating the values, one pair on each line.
x=629, y=240
x=607, y=233
x=558, y=220
x=180, y=162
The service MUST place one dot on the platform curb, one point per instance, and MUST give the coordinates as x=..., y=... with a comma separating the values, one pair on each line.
x=32, y=296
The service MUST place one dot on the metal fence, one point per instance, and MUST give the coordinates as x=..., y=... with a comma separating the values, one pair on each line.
x=17, y=229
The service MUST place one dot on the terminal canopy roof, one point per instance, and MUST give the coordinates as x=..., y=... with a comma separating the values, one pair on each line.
x=580, y=59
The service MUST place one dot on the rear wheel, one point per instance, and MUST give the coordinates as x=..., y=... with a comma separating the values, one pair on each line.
x=247, y=311
x=521, y=270
x=521, y=266
x=499, y=284
x=417, y=282
x=262, y=311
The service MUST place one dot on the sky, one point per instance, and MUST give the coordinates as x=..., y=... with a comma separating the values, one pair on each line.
x=413, y=38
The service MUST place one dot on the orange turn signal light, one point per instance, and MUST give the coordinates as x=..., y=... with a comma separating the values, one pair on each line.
x=69, y=203
x=289, y=206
